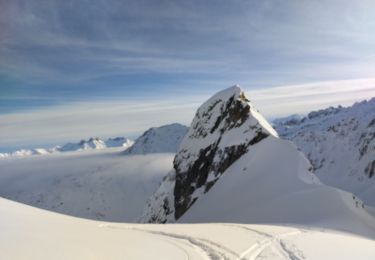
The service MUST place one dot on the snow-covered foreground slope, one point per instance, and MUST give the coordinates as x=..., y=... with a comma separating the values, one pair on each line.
x=340, y=143
x=94, y=184
x=30, y=233
x=94, y=143
x=232, y=167
x=163, y=139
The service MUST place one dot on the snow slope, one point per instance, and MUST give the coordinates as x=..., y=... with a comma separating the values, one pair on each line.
x=97, y=184
x=163, y=139
x=232, y=167
x=340, y=143
x=94, y=143
x=30, y=233
x=272, y=184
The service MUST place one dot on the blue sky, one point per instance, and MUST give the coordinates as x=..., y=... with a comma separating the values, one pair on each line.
x=64, y=55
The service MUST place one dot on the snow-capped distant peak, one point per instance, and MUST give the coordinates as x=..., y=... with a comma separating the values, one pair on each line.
x=97, y=143
x=163, y=139
x=93, y=143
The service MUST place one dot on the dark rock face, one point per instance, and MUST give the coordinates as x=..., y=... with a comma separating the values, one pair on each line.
x=196, y=177
x=365, y=142
x=370, y=169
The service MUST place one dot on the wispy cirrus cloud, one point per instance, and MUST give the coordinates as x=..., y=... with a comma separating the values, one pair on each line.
x=66, y=46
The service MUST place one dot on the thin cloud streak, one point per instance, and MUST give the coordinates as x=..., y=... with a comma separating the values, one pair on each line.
x=285, y=100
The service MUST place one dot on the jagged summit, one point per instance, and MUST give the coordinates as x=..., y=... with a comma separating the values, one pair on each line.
x=223, y=129
x=230, y=108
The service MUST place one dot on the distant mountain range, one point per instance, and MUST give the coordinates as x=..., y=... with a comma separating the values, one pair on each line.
x=93, y=143
x=162, y=139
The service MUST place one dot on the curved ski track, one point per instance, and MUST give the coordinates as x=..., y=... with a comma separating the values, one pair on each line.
x=201, y=248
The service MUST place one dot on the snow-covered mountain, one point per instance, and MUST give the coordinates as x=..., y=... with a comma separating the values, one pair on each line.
x=94, y=143
x=232, y=167
x=163, y=139
x=220, y=133
x=26, y=152
x=340, y=143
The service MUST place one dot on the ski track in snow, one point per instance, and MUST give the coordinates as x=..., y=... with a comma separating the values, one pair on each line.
x=255, y=250
x=181, y=245
x=207, y=249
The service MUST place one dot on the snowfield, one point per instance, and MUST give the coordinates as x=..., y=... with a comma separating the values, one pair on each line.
x=97, y=184
x=30, y=233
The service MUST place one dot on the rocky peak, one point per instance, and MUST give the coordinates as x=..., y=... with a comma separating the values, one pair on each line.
x=223, y=129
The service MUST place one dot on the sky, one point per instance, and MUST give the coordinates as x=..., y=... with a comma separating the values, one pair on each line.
x=75, y=69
